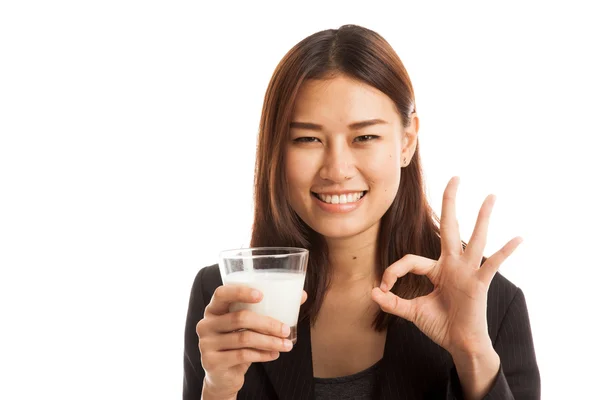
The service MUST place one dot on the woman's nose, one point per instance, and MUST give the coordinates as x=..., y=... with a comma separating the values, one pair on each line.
x=338, y=165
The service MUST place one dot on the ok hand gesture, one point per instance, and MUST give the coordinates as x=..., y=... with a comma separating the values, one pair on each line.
x=453, y=315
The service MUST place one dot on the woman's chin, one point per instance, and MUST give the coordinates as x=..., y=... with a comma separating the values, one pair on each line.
x=339, y=230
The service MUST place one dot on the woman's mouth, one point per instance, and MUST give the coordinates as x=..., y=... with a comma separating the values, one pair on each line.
x=345, y=198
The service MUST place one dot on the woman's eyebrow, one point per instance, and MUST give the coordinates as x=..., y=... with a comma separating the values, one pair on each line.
x=353, y=126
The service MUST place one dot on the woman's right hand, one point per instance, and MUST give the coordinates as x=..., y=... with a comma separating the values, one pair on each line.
x=230, y=342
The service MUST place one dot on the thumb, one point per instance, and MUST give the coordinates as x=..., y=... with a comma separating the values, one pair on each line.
x=304, y=297
x=393, y=304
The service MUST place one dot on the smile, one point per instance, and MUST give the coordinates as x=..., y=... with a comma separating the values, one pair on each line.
x=340, y=199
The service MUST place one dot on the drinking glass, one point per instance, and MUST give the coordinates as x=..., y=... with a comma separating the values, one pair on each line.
x=277, y=272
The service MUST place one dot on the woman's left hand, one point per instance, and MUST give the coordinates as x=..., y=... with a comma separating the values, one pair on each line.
x=453, y=315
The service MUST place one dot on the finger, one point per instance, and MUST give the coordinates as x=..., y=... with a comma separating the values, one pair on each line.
x=227, y=294
x=393, y=304
x=304, y=297
x=449, y=232
x=227, y=359
x=249, y=339
x=246, y=319
x=478, y=240
x=409, y=263
x=492, y=264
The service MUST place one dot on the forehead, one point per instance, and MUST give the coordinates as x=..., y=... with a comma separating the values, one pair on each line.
x=342, y=100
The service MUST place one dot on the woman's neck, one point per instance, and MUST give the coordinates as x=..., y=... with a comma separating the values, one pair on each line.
x=353, y=259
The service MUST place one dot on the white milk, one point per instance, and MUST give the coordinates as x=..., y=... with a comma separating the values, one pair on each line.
x=281, y=289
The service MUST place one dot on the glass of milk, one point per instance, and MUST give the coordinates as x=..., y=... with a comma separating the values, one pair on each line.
x=277, y=272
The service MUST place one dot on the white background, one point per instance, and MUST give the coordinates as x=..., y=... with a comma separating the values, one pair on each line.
x=127, y=134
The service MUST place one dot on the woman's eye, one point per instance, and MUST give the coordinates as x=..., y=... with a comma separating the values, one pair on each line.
x=306, y=139
x=365, y=138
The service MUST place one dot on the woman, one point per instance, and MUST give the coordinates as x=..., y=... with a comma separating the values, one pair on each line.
x=397, y=306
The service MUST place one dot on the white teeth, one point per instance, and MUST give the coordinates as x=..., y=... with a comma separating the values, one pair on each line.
x=340, y=199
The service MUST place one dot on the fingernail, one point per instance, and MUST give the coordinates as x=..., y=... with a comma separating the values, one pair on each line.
x=383, y=287
x=274, y=354
x=287, y=344
x=255, y=294
x=285, y=330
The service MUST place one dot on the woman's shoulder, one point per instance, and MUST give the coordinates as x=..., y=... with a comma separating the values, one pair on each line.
x=502, y=291
x=502, y=296
x=207, y=280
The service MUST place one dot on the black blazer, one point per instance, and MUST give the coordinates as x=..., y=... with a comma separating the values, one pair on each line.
x=413, y=367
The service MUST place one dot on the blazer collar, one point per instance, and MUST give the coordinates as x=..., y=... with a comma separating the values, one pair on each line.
x=410, y=363
x=392, y=372
x=292, y=373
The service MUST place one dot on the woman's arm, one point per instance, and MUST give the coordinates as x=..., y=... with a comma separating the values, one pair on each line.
x=193, y=374
x=517, y=376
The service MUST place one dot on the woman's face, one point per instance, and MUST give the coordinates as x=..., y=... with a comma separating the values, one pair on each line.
x=342, y=171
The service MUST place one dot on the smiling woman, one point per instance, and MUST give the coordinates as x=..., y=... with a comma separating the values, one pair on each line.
x=397, y=305
x=339, y=158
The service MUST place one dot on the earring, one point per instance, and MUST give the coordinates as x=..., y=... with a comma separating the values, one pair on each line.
x=404, y=163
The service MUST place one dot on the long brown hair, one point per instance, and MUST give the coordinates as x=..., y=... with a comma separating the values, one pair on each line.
x=408, y=227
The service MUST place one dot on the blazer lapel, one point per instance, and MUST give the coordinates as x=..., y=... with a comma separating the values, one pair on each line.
x=413, y=365
x=389, y=375
x=292, y=373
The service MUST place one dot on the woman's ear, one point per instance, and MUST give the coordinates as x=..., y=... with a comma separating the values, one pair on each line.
x=409, y=139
